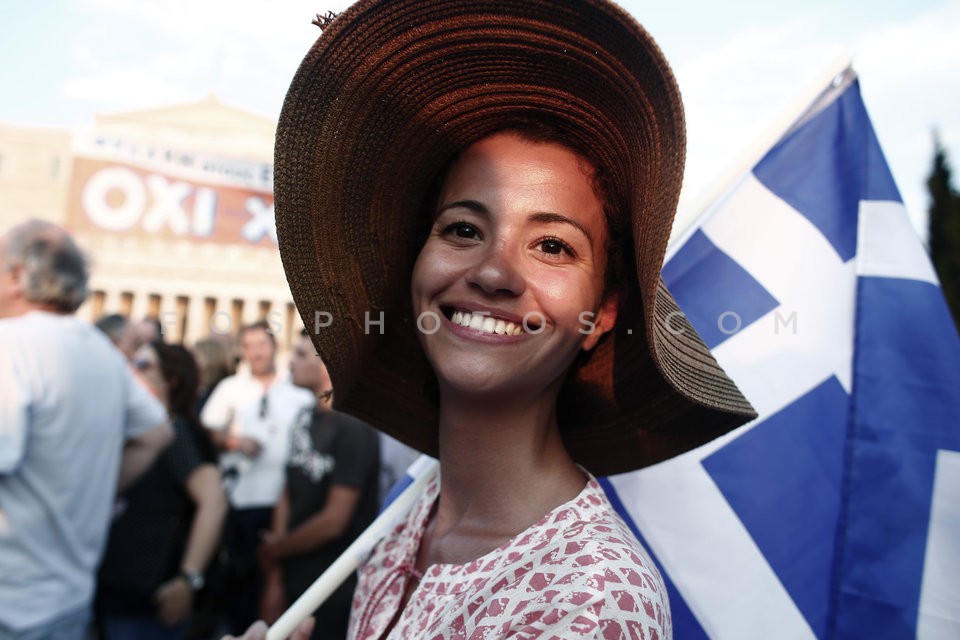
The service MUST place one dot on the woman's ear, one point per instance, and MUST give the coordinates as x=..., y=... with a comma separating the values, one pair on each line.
x=603, y=320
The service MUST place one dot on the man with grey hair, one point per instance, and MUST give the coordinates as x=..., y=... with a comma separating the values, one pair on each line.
x=74, y=426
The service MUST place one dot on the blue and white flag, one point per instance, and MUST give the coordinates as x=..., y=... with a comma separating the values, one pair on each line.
x=836, y=513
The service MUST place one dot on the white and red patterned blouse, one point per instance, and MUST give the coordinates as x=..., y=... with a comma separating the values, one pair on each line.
x=577, y=573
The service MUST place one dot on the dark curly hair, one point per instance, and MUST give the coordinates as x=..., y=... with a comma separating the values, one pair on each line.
x=182, y=376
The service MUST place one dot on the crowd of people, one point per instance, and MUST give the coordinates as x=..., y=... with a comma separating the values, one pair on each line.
x=151, y=490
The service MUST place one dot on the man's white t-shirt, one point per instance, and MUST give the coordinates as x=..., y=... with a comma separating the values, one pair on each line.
x=68, y=402
x=241, y=406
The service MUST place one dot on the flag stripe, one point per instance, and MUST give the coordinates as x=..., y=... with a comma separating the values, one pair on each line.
x=701, y=267
x=708, y=553
x=882, y=251
x=797, y=456
x=685, y=624
x=838, y=152
x=939, y=614
x=906, y=410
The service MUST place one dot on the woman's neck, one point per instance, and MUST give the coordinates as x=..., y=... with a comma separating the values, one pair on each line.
x=503, y=467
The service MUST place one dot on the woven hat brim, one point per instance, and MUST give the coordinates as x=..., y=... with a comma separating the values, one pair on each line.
x=383, y=102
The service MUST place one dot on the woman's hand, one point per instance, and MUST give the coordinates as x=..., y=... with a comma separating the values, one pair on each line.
x=174, y=599
x=258, y=631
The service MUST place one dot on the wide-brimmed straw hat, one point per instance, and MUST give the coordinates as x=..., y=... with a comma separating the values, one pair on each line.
x=389, y=94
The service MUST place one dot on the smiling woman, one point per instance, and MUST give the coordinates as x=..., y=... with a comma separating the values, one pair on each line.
x=519, y=243
x=502, y=203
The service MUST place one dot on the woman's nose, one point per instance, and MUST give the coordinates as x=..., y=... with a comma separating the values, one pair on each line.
x=497, y=271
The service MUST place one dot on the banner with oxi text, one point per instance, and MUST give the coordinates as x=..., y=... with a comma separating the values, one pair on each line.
x=131, y=188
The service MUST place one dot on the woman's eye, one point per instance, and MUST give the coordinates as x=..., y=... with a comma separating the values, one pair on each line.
x=465, y=231
x=461, y=230
x=554, y=246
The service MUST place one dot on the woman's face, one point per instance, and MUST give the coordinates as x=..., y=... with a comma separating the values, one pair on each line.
x=307, y=370
x=147, y=364
x=509, y=284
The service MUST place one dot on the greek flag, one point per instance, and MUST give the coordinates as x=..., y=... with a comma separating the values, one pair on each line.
x=836, y=513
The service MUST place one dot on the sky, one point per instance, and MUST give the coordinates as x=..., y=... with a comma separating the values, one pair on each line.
x=741, y=66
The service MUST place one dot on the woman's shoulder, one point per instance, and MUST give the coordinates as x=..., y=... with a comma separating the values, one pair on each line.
x=585, y=561
x=586, y=532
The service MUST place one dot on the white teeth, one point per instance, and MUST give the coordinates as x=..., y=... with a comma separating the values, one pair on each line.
x=485, y=323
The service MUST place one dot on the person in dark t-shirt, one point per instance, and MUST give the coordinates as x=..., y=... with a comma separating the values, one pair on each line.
x=329, y=499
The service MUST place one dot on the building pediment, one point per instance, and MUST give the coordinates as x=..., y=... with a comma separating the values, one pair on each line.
x=209, y=124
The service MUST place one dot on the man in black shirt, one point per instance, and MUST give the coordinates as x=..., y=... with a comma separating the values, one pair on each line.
x=329, y=499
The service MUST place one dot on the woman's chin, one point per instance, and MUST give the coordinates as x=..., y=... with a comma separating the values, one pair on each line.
x=465, y=383
x=480, y=386
x=491, y=392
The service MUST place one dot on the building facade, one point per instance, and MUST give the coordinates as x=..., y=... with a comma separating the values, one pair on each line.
x=174, y=206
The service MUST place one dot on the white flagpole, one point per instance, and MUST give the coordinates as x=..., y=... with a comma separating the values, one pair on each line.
x=755, y=153
x=424, y=470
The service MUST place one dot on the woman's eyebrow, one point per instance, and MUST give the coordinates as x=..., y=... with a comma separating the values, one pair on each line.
x=549, y=217
x=472, y=205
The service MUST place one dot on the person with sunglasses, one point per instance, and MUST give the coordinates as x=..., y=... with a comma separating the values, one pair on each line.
x=166, y=527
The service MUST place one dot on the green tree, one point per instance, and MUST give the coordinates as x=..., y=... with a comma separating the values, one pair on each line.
x=944, y=229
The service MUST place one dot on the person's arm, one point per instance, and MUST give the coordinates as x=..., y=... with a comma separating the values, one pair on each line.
x=140, y=452
x=147, y=430
x=273, y=602
x=14, y=417
x=226, y=441
x=204, y=488
x=218, y=414
x=281, y=514
x=175, y=597
x=329, y=524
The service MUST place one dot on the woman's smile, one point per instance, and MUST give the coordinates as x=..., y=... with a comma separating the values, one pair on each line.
x=493, y=321
x=486, y=324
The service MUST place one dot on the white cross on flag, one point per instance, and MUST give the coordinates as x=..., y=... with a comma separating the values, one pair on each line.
x=836, y=513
